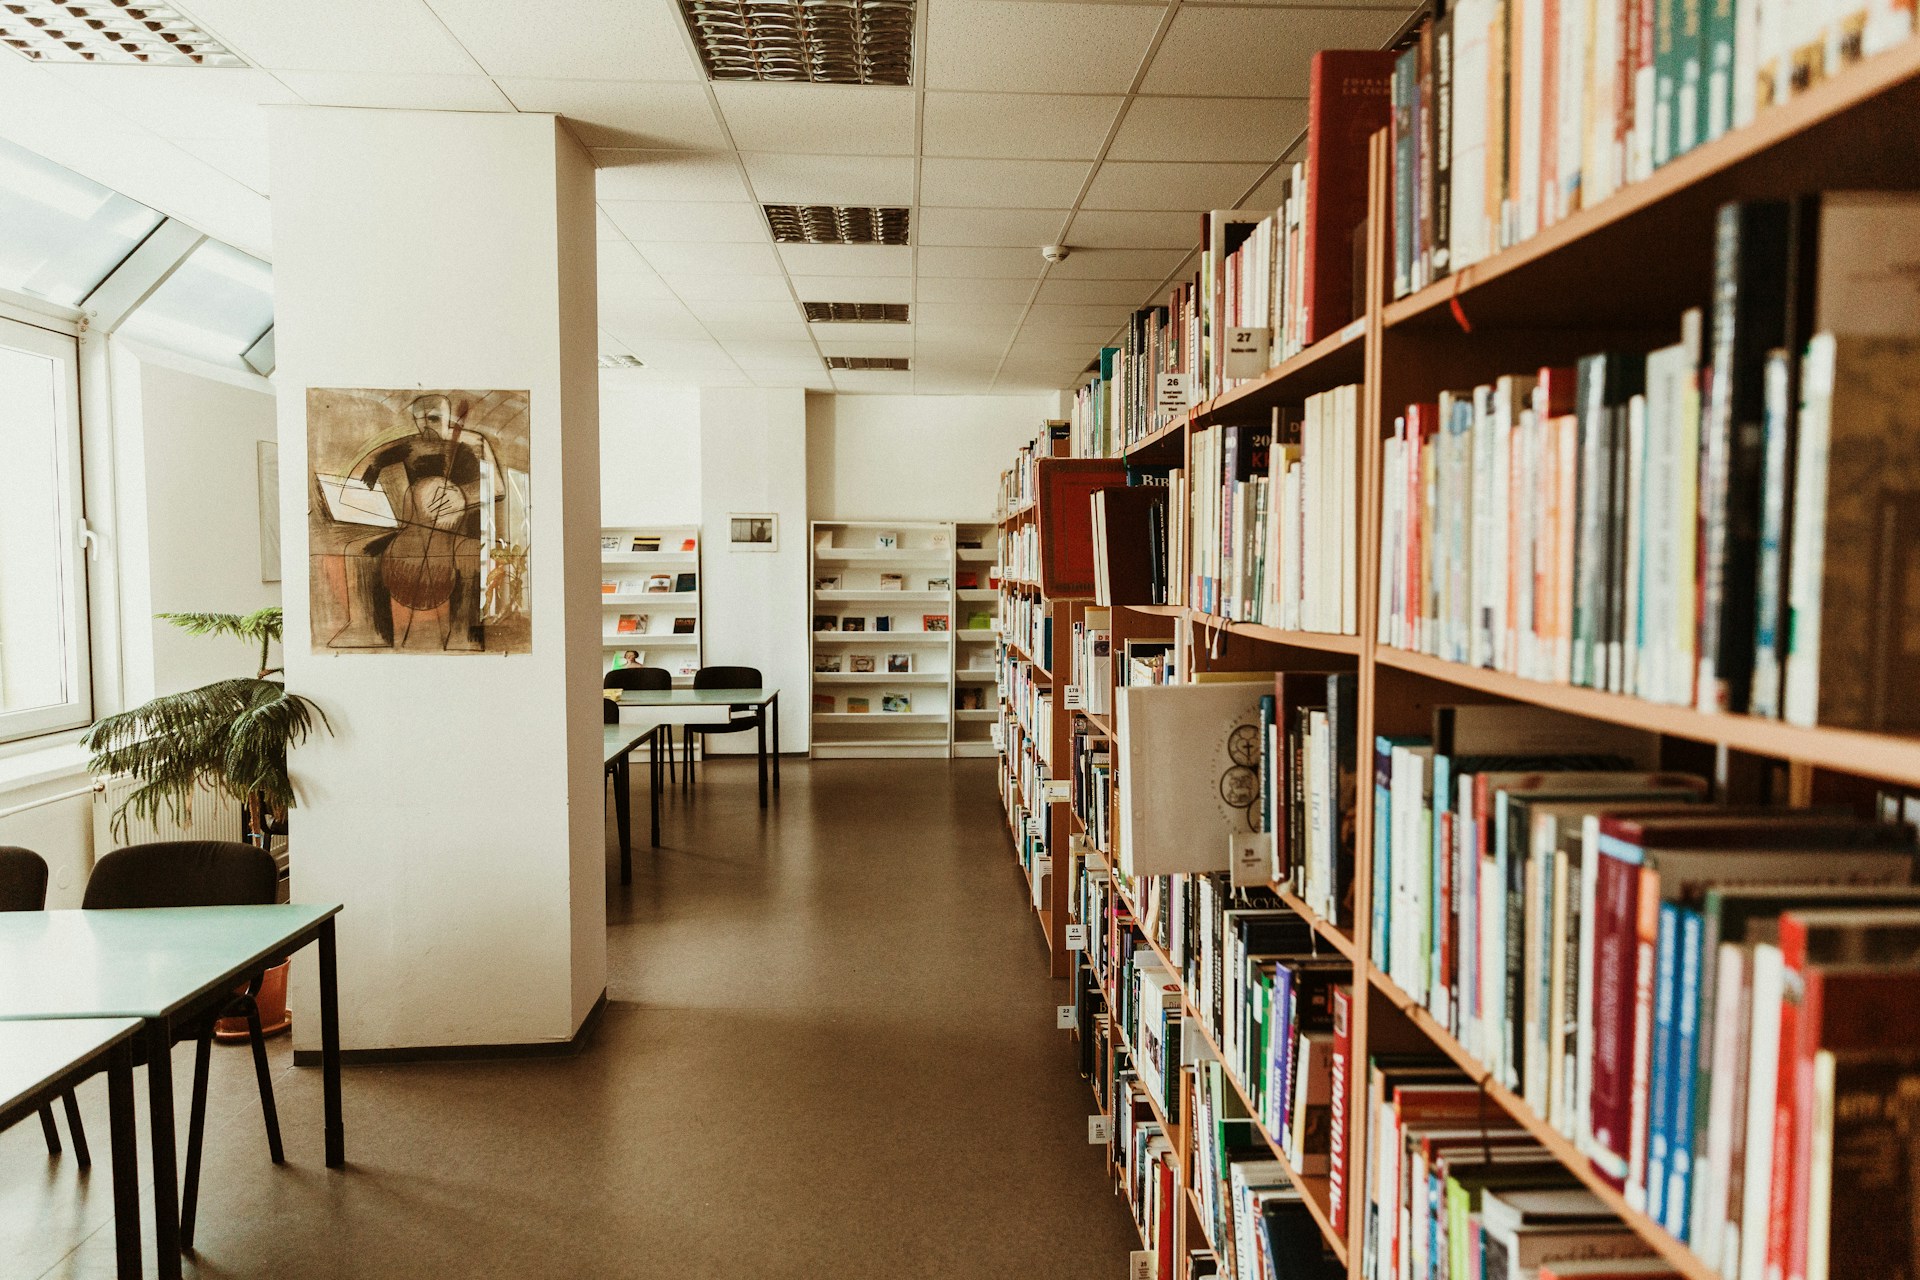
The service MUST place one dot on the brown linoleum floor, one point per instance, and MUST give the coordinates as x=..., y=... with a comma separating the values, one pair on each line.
x=829, y=1052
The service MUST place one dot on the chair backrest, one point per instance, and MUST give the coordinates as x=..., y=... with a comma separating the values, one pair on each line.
x=23, y=879
x=638, y=678
x=727, y=678
x=184, y=873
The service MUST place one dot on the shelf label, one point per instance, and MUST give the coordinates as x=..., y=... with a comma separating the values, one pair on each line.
x=1074, y=699
x=1250, y=856
x=1143, y=1264
x=1099, y=1131
x=1174, y=395
x=1076, y=937
x=1354, y=330
x=1247, y=351
x=1057, y=790
x=1066, y=1017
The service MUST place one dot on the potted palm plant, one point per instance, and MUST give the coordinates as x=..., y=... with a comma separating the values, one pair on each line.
x=228, y=737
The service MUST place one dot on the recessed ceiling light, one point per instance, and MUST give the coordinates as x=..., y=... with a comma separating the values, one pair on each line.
x=868, y=363
x=824, y=41
x=620, y=360
x=836, y=224
x=856, y=312
x=109, y=31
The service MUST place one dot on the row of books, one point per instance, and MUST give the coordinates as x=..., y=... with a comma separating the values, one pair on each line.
x=1019, y=484
x=1026, y=622
x=1457, y=1191
x=1149, y=1170
x=1307, y=787
x=1090, y=662
x=1666, y=524
x=1093, y=789
x=1511, y=115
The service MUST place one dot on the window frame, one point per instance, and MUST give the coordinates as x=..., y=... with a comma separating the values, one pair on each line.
x=44, y=335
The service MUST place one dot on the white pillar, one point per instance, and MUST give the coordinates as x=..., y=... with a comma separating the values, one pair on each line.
x=456, y=807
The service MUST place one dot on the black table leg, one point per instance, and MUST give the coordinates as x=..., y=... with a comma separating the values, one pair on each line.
x=653, y=781
x=196, y=1135
x=623, y=815
x=776, y=743
x=330, y=1048
x=126, y=1161
x=166, y=1186
x=760, y=754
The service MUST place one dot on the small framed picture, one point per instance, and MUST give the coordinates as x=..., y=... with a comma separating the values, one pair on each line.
x=896, y=702
x=631, y=658
x=609, y=542
x=659, y=583
x=853, y=624
x=826, y=622
x=899, y=664
x=826, y=662
x=887, y=540
x=830, y=582
x=883, y=622
x=756, y=531
x=683, y=626
x=861, y=663
x=857, y=705
x=933, y=622
x=940, y=584
x=893, y=582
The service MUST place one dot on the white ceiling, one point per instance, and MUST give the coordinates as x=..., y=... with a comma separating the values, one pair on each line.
x=1109, y=127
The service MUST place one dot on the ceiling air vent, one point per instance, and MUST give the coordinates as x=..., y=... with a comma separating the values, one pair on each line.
x=856, y=312
x=836, y=224
x=870, y=42
x=897, y=364
x=109, y=31
x=620, y=360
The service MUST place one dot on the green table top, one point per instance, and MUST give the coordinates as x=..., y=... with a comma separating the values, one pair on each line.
x=139, y=963
x=35, y=1054
x=694, y=697
x=618, y=739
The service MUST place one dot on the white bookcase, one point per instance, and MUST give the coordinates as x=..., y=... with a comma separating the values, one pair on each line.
x=650, y=578
x=891, y=649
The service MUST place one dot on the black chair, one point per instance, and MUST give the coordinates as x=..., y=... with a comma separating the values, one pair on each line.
x=639, y=678
x=23, y=887
x=198, y=873
x=740, y=719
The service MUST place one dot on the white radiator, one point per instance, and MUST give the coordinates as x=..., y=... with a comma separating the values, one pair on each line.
x=213, y=815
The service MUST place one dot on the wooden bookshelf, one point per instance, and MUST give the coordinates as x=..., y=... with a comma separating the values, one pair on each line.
x=1615, y=275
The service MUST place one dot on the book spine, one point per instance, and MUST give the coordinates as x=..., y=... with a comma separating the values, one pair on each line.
x=1442, y=132
x=1615, y=950
x=1678, y=1207
x=1342, y=1067
x=1660, y=1096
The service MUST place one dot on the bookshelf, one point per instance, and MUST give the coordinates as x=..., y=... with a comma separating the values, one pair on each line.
x=650, y=581
x=900, y=649
x=1587, y=283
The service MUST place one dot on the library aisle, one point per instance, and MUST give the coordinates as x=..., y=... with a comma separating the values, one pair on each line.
x=830, y=1050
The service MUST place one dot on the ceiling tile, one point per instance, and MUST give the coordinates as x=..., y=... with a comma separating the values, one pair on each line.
x=966, y=340
x=738, y=311
x=341, y=35
x=242, y=159
x=603, y=226
x=1014, y=45
x=1055, y=314
x=847, y=260
x=873, y=382
x=1131, y=293
x=682, y=352
x=794, y=179
x=1208, y=129
x=962, y=289
x=634, y=319
x=1133, y=184
x=392, y=90
x=1005, y=264
x=699, y=260
x=633, y=285
x=625, y=113
x=690, y=221
x=874, y=346
x=994, y=184
x=180, y=102
x=818, y=119
x=753, y=331
x=698, y=284
x=1133, y=229
x=1086, y=338
x=1002, y=315
x=830, y=332
x=1258, y=53
x=989, y=227
x=1119, y=264
x=769, y=353
x=628, y=174
x=590, y=39
x=853, y=288
x=937, y=384
x=1020, y=126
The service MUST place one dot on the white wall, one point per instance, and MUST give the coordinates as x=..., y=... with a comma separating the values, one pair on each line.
x=189, y=436
x=914, y=457
x=457, y=808
x=649, y=453
x=753, y=458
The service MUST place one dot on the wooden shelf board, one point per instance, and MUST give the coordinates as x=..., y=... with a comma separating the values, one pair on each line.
x=1166, y=444
x=1896, y=759
x=1324, y=641
x=1336, y=937
x=1683, y=1259
x=1331, y=362
x=1100, y=723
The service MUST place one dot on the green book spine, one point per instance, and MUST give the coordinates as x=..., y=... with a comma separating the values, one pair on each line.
x=1716, y=100
x=1666, y=78
x=1690, y=54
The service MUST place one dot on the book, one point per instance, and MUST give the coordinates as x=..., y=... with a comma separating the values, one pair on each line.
x=826, y=662
x=684, y=582
x=896, y=702
x=858, y=704
x=826, y=622
x=646, y=542
x=1348, y=99
x=658, y=583
x=853, y=624
x=895, y=582
x=860, y=662
x=823, y=702
x=1189, y=774
x=933, y=622
x=683, y=626
x=629, y=622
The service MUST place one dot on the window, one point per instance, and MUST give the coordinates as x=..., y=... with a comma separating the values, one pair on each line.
x=65, y=233
x=214, y=306
x=43, y=623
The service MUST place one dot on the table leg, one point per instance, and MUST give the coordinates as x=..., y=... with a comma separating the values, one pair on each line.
x=776, y=744
x=166, y=1186
x=330, y=1047
x=196, y=1135
x=653, y=782
x=125, y=1159
x=760, y=742
x=623, y=815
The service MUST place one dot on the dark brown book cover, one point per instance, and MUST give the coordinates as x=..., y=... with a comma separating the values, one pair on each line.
x=1063, y=510
x=1349, y=98
x=1128, y=517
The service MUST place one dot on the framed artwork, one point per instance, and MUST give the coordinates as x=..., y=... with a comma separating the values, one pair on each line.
x=899, y=664
x=753, y=532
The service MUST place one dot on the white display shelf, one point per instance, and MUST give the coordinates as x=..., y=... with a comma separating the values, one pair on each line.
x=887, y=717
x=649, y=557
x=642, y=639
x=910, y=597
x=686, y=599
x=881, y=677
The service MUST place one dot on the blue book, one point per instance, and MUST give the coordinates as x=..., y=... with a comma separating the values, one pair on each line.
x=1279, y=1048
x=1659, y=1087
x=1437, y=859
x=1686, y=1042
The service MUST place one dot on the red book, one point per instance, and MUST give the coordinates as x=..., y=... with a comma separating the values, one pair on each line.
x=1063, y=511
x=1349, y=98
x=1556, y=388
x=1337, y=1121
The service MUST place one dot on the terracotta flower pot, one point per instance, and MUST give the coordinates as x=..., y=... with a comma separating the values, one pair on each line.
x=274, y=1015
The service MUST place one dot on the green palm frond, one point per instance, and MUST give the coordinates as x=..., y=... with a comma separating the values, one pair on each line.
x=261, y=627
